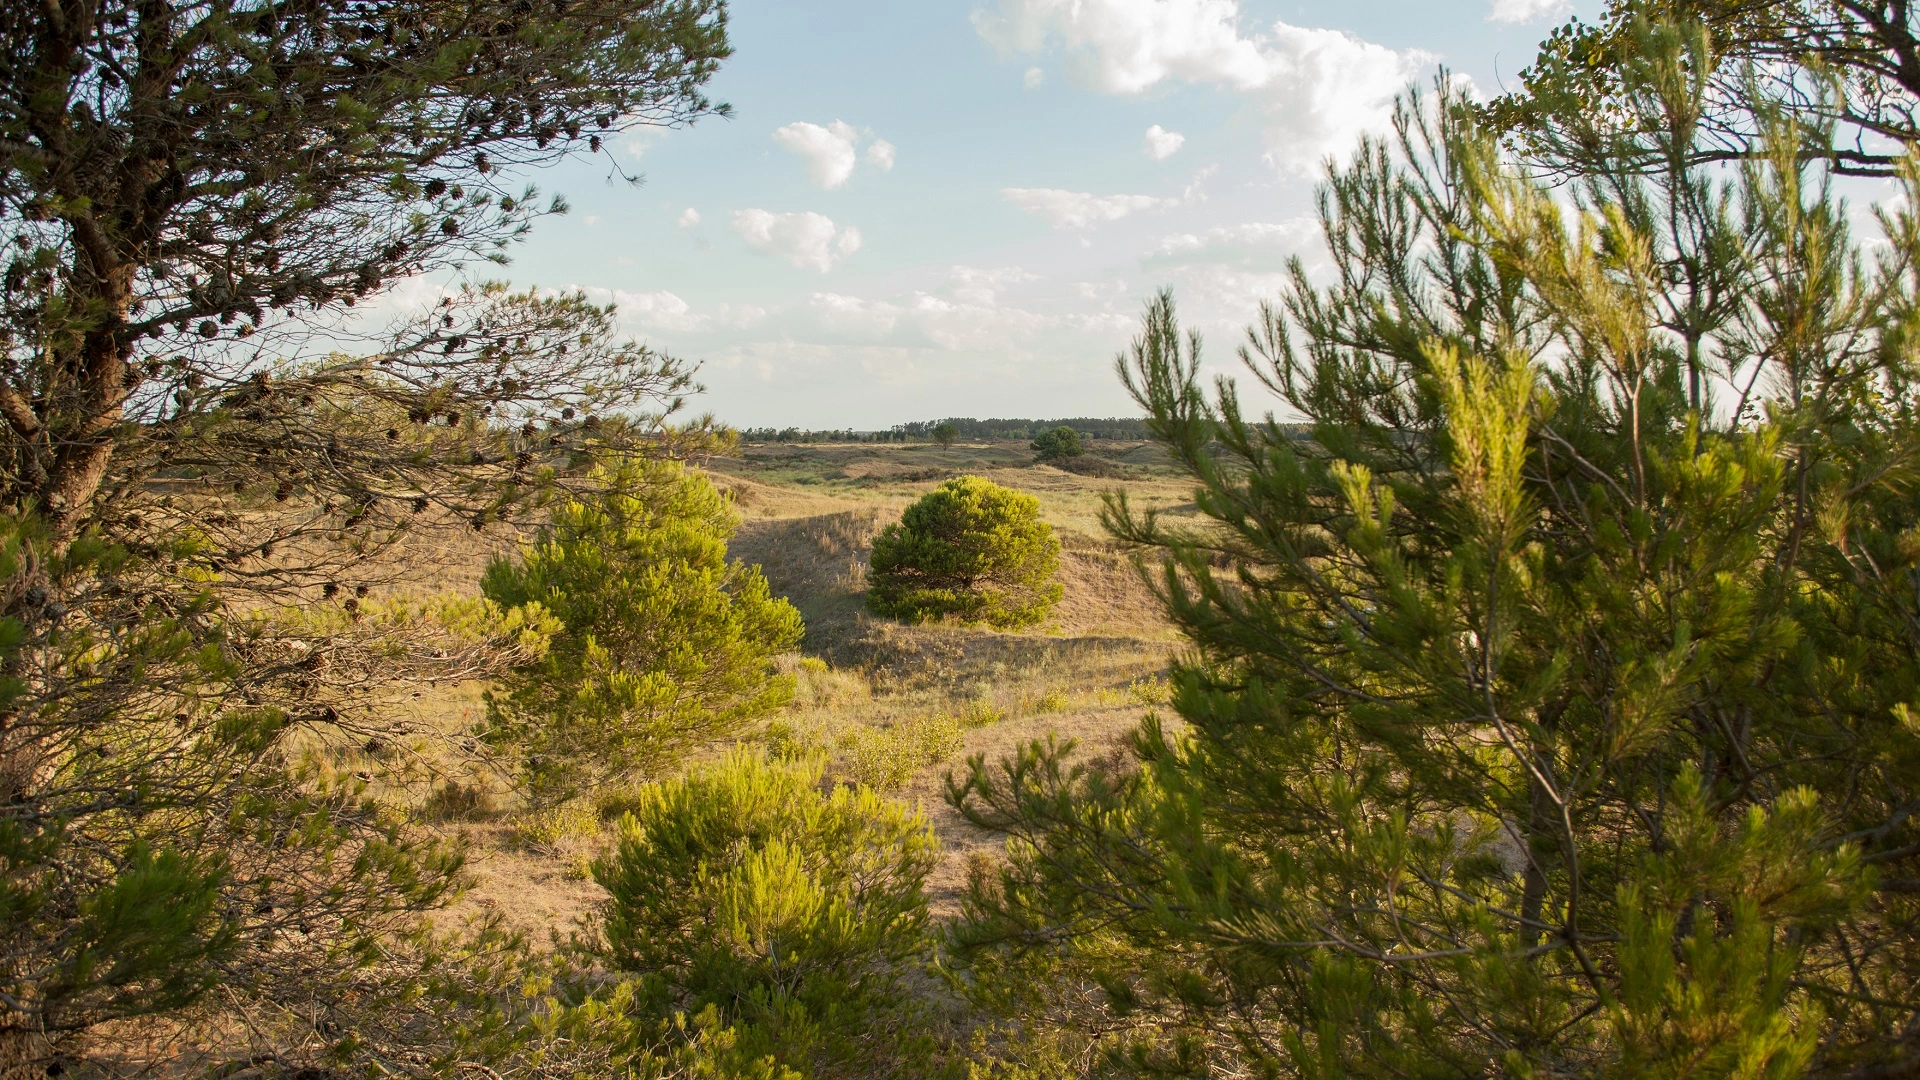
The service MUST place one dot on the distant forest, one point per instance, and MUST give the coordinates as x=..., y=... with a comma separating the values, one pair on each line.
x=965, y=427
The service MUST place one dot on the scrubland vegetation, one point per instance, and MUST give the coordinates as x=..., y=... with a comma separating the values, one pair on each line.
x=1536, y=701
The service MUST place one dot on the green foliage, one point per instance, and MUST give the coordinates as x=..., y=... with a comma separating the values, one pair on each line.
x=1842, y=68
x=944, y=434
x=1061, y=442
x=791, y=915
x=275, y=197
x=665, y=644
x=1548, y=709
x=884, y=758
x=193, y=525
x=970, y=549
x=179, y=837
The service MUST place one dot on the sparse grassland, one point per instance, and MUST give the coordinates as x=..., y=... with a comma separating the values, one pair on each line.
x=898, y=706
x=888, y=705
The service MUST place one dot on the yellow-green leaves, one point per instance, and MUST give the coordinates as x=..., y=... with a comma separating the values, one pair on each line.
x=1488, y=424
x=793, y=912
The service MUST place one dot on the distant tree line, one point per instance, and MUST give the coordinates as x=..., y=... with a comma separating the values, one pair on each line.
x=964, y=427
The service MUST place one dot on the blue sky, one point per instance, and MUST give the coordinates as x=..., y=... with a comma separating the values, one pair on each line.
x=957, y=207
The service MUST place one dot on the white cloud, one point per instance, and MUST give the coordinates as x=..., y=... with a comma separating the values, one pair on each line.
x=1317, y=90
x=1034, y=78
x=1526, y=11
x=637, y=141
x=742, y=316
x=1163, y=144
x=855, y=316
x=804, y=239
x=983, y=286
x=689, y=218
x=1127, y=46
x=966, y=313
x=648, y=310
x=832, y=151
x=656, y=310
x=1249, y=242
x=1080, y=209
x=828, y=150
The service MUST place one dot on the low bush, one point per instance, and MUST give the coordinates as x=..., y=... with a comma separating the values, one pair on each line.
x=790, y=914
x=885, y=758
x=1088, y=465
x=980, y=713
x=571, y=834
x=1053, y=701
x=969, y=549
x=454, y=801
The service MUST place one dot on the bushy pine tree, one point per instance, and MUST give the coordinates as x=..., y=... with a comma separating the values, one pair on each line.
x=1548, y=711
x=790, y=916
x=1061, y=442
x=664, y=644
x=969, y=549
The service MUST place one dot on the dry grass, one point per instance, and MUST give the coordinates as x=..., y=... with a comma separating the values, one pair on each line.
x=899, y=707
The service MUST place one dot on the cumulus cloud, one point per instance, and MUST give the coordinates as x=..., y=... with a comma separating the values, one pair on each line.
x=854, y=315
x=660, y=310
x=689, y=218
x=1526, y=11
x=832, y=151
x=828, y=151
x=1080, y=209
x=1316, y=90
x=1249, y=242
x=967, y=312
x=1163, y=144
x=975, y=285
x=806, y=239
x=1034, y=78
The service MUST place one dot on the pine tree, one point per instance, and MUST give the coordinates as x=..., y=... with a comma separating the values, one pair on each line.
x=1061, y=442
x=1547, y=710
x=790, y=912
x=200, y=495
x=969, y=549
x=1848, y=69
x=663, y=643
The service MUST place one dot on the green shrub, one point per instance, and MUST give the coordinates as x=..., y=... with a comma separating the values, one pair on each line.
x=885, y=758
x=1053, y=701
x=980, y=713
x=969, y=549
x=569, y=833
x=794, y=914
x=665, y=643
x=1088, y=465
x=557, y=825
x=1061, y=442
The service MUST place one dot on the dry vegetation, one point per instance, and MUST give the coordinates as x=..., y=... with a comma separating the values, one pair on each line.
x=891, y=705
